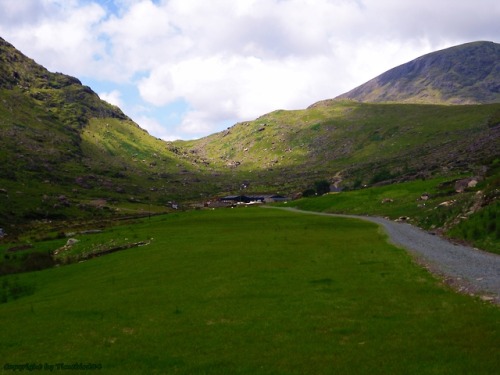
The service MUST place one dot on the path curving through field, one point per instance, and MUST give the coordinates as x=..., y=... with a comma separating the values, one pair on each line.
x=466, y=269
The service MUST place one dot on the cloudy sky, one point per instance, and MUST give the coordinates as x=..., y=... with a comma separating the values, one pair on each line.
x=183, y=69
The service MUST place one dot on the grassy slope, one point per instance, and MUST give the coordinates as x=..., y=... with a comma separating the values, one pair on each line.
x=62, y=148
x=121, y=150
x=250, y=291
x=292, y=148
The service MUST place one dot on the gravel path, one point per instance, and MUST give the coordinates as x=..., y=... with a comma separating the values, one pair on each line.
x=466, y=269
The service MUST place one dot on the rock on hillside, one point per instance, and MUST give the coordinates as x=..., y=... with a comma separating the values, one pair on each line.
x=464, y=74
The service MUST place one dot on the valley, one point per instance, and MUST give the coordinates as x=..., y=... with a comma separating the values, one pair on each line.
x=68, y=156
x=118, y=255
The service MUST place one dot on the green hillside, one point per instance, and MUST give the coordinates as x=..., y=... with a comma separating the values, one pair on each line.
x=64, y=153
x=353, y=144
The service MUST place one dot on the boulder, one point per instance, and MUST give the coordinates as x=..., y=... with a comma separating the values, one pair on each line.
x=402, y=219
x=466, y=183
x=71, y=241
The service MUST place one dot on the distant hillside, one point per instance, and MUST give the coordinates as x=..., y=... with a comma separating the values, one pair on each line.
x=355, y=143
x=65, y=153
x=465, y=74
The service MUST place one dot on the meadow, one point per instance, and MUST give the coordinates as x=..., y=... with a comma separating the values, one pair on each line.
x=247, y=291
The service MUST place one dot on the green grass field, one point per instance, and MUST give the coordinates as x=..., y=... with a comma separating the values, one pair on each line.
x=248, y=291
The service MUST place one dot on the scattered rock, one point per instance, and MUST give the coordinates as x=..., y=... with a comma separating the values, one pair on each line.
x=462, y=185
x=487, y=298
x=424, y=197
x=402, y=219
x=446, y=204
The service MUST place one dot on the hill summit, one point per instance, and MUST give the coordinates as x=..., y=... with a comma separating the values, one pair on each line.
x=464, y=74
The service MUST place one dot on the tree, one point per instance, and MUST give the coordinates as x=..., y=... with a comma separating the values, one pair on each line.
x=322, y=187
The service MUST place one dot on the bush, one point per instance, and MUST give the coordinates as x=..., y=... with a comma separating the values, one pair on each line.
x=382, y=175
x=322, y=187
x=309, y=193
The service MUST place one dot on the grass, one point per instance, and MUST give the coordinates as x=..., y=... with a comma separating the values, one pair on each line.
x=482, y=228
x=444, y=209
x=250, y=291
x=393, y=200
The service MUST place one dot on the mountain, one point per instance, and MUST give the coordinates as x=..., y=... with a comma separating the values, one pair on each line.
x=65, y=153
x=465, y=74
x=396, y=127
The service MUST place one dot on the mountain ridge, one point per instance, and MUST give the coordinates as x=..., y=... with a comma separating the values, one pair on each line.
x=52, y=89
x=463, y=74
x=66, y=153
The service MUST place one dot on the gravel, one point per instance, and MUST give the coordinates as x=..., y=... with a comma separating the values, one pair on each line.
x=466, y=269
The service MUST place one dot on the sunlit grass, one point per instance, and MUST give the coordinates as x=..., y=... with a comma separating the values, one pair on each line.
x=250, y=291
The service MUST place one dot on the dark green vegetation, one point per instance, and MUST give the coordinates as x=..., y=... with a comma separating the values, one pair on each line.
x=463, y=74
x=248, y=291
x=481, y=228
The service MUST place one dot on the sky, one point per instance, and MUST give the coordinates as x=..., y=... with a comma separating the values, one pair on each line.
x=184, y=69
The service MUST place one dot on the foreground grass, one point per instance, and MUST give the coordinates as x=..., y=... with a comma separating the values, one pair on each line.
x=250, y=291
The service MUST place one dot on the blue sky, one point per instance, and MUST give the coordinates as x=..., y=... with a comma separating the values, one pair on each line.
x=183, y=69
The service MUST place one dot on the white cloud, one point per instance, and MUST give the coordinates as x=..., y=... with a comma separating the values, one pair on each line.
x=112, y=97
x=153, y=127
x=59, y=34
x=220, y=89
x=235, y=60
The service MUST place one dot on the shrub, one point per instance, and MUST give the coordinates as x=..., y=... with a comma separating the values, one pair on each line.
x=309, y=193
x=382, y=175
x=322, y=187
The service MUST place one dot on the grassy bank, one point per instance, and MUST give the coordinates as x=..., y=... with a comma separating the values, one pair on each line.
x=430, y=204
x=249, y=291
